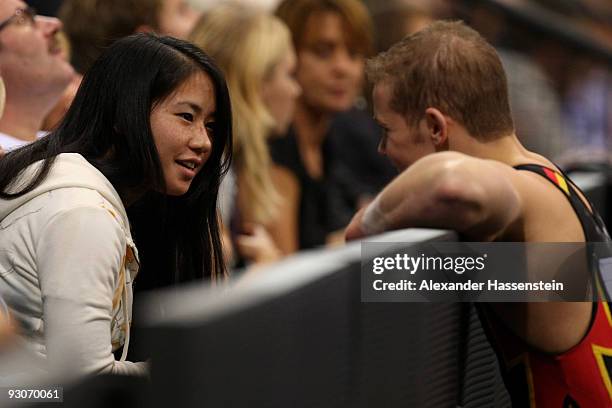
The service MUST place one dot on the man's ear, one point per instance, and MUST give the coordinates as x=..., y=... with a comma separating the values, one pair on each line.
x=437, y=126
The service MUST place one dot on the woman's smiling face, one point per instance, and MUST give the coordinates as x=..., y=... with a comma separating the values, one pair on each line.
x=182, y=126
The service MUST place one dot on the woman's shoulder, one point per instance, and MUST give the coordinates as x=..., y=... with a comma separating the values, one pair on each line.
x=73, y=191
x=74, y=183
x=66, y=206
x=73, y=198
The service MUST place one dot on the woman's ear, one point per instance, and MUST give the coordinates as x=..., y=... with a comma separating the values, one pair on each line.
x=437, y=126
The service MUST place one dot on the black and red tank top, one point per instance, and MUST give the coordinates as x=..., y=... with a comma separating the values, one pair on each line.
x=582, y=376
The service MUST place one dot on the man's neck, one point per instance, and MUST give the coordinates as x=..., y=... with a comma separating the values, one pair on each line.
x=21, y=121
x=311, y=125
x=506, y=149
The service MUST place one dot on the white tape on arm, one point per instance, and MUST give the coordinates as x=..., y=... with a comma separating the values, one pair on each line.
x=373, y=220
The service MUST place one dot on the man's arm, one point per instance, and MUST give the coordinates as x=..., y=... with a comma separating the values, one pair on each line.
x=448, y=190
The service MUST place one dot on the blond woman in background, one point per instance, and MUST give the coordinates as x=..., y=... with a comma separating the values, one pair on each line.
x=254, y=50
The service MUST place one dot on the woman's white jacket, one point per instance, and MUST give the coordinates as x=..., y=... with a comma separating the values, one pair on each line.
x=67, y=263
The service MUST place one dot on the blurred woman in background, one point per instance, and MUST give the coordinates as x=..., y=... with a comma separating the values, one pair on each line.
x=332, y=39
x=254, y=51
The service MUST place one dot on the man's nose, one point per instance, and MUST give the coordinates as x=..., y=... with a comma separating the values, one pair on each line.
x=49, y=25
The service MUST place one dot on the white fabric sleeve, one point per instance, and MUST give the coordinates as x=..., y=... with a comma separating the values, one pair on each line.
x=79, y=256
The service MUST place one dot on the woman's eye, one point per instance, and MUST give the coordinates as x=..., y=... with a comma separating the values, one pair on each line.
x=323, y=52
x=210, y=127
x=354, y=54
x=187, y=116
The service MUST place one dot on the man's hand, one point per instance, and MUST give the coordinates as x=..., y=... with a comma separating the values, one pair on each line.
x=354, y=231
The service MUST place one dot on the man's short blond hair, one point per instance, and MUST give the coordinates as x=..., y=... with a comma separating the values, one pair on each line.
x=448, y=66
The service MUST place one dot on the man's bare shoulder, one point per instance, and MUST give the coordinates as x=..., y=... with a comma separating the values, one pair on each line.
x=527, y=183
x=545, y=213
x=477, y=168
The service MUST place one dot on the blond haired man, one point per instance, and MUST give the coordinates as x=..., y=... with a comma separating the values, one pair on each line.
x=441, y=97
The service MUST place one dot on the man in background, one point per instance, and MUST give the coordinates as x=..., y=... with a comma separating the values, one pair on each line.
x=93, y=25
x=34, y=70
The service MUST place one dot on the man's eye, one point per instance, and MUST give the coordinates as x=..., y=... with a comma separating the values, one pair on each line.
x=383, y=130
x=355, y=54
x=384, y=134
x=383, y=139
x=187, y=116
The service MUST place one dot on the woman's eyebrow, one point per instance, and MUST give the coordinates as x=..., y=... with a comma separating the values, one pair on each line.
x=196, y=108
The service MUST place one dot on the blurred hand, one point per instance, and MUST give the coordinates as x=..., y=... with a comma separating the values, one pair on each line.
x=2, y=151
x=7, y=330
x=257, y=245
x=335, y=239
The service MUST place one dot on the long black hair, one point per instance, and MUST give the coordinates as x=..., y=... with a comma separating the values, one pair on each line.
x=108, y=123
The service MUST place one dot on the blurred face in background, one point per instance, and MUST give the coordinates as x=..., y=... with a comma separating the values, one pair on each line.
x=330, y=71
x=30, y=54
x=177, y=18
x=280, y=92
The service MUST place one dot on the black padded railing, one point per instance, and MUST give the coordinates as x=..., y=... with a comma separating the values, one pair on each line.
x=298, y=335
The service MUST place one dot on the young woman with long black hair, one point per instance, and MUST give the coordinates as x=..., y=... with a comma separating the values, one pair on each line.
x=150, y=126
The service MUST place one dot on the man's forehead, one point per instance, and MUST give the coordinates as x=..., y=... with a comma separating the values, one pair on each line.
x=8, y=7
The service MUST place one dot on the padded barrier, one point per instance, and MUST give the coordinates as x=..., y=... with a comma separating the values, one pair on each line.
x=298, y=335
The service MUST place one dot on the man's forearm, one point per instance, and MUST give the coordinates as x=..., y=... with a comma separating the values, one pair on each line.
x=443, y=191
